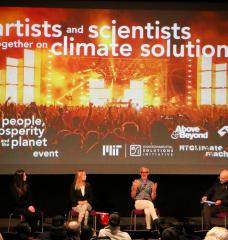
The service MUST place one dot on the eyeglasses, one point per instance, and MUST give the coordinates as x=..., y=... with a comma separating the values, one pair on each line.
x=144, y=172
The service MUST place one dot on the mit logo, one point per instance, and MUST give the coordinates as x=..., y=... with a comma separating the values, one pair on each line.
x=111, y=150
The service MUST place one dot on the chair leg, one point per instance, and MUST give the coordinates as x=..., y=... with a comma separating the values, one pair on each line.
x=131, y=223
x=42, y=222
x=69, y=216
x=95, y=222
x=9, y=222
x=135, y=222
x=202, y=223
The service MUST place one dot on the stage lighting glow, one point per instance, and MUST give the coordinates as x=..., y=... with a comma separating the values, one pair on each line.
x=59, y=103
x=157, y=101
x=220, y=96
x=220, y=84
x=96, y=83
x=12, y=61
x=137, y=107
x=29, y=58
x=136, y=84
x=133, y=94
x=84, y=100
x=206, y=97
x=99, y=93
x=99, y=101
x=11, y=91
x=58, y=80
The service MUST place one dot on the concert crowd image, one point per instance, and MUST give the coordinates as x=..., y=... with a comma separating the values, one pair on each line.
x=117, y=87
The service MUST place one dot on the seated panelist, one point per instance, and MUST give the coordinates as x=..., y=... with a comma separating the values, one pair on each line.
x=144, y=192
x=81, y=196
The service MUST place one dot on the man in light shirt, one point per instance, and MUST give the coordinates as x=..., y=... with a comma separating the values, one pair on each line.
x=113, y=229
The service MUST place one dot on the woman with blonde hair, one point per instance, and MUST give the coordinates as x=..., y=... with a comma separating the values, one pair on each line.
x=81, y=196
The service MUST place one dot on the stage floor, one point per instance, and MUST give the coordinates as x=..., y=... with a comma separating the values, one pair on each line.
x=126, y=222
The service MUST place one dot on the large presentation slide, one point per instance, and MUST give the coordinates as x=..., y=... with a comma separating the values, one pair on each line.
x=109, y=90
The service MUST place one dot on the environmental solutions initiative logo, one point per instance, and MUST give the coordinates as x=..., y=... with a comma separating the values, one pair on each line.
x=182, y=132
x=136, y=150
x=151, y=150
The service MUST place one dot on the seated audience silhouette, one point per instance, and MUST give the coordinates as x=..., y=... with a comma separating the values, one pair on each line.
x=73, y=230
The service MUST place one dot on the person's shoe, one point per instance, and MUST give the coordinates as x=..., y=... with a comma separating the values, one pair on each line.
x=157, y=225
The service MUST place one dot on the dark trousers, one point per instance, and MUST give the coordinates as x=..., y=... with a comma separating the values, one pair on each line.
x=210, y=211
x=31, y=218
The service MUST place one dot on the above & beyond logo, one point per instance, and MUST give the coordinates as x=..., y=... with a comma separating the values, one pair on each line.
x=188, y=133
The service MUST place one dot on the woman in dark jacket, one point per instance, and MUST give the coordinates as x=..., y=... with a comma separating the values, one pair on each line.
x=22, y=199
x=81, y=196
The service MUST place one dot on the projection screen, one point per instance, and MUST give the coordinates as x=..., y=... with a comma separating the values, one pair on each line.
x=109, y=90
